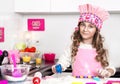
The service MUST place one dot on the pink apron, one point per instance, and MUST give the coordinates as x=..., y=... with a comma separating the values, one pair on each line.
x=85, y=63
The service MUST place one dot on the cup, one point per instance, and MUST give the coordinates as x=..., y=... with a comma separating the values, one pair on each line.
x=49, y=57
x=38, y=61
x=26, y=59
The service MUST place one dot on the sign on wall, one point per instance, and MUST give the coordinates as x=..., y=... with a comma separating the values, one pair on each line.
x=36, y=25
x=1, y=34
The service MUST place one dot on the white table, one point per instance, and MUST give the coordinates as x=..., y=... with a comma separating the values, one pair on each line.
x=65, y=78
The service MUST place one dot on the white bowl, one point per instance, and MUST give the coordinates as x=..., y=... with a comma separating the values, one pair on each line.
x=8, y=70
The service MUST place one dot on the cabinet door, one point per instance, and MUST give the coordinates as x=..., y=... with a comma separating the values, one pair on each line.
x=28, y=6
x=72, y=5
x=62, y=6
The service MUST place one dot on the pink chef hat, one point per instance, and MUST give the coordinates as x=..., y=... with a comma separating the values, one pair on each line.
x=93, y=14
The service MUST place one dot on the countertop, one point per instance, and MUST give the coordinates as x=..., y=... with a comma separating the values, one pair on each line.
x=66, y=78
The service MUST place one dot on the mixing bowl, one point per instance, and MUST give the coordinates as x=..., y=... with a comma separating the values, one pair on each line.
x=11, y=73
x=49, y=56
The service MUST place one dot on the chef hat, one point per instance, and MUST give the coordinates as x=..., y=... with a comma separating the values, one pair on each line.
x=93, y=14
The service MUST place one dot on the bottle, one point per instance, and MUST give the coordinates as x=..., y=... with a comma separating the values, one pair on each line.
x=5, y=57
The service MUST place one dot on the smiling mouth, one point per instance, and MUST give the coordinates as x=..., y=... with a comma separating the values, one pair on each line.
x=85, y=33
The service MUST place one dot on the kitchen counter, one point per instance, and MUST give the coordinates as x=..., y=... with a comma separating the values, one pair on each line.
x=117, y=74
x=66, y=78
x=45, y=68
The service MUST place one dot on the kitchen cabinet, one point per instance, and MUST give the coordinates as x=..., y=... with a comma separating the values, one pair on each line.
x=31, y=6
x=72, y=5
x=62, y=6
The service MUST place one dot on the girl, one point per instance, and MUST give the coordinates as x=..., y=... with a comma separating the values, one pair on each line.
x=87, y=54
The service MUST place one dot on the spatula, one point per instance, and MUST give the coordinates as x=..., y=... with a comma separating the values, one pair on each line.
x=16, y=72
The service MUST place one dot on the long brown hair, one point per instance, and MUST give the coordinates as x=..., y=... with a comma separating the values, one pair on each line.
x=97, y=43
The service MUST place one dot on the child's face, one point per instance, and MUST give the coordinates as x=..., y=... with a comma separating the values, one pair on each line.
x=87, y=30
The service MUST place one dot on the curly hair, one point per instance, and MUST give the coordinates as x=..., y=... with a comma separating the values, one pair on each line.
x=97, y=43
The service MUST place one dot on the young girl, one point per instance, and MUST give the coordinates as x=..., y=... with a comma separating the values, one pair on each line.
x=87, y=54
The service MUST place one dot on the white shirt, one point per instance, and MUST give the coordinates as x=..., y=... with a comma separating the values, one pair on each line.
x=65, y=60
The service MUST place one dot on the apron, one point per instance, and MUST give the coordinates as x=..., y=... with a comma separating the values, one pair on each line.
x=85, y=63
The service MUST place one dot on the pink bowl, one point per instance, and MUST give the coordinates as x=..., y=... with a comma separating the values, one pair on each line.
x=49, y=56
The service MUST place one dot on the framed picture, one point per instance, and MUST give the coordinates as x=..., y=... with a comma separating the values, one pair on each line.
x=36, y=25
x=1, y=34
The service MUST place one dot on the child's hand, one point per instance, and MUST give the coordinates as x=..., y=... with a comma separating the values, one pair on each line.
x=104, y=73
x=53, y=69
x=57, y=68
